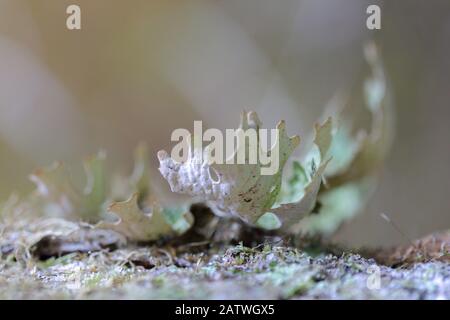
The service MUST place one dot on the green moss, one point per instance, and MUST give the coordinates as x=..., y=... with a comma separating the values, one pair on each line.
x=235, y=272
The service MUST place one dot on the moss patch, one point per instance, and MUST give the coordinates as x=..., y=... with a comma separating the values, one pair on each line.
x=229, y=272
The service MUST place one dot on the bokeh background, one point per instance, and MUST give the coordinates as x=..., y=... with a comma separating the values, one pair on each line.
x=139, y=69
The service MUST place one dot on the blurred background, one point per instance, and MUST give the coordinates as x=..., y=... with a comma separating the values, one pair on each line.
x=139, y=69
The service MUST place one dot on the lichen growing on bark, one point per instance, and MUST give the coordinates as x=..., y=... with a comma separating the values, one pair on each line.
x=227, y=272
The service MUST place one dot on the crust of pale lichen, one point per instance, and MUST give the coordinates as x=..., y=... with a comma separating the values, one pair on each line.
x=231, y=272
x=203, y=269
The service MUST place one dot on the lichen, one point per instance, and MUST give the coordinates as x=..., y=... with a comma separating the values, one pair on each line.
x=231, y=272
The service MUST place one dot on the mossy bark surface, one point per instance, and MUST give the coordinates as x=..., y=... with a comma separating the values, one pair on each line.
x=267, y=271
